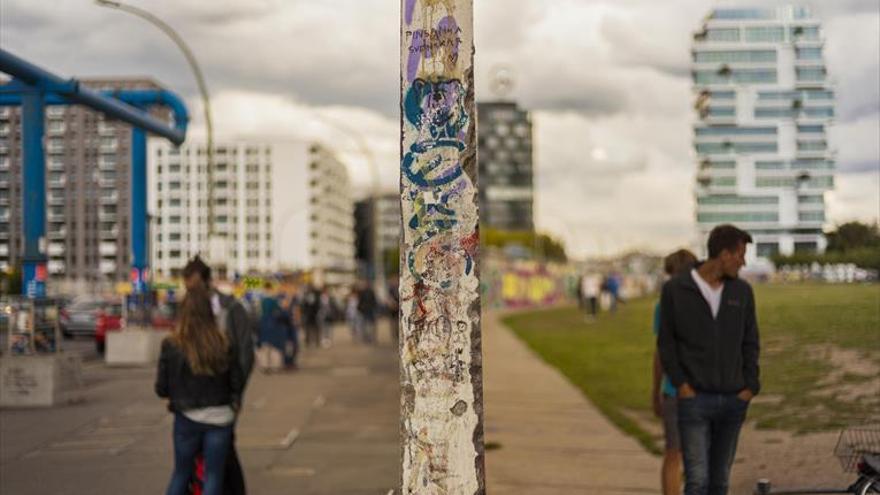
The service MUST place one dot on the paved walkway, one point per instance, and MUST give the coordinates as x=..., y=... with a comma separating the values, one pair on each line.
x=552, y=439
x=330, y=428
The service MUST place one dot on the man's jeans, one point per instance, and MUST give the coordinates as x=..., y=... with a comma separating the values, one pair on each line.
x=709, y=426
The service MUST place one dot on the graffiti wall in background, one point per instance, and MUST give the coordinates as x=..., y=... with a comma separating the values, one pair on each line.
x=525, y=284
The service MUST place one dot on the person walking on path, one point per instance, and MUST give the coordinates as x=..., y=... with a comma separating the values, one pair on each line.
x=311, y=309
x=709, y=347
x=198, y=375
x=663, y=393
x=291, y=347
x=233, y=320
x=590, y=287
x=394, y=309
x=274, y=333
x=368, y=306
x=352, y=316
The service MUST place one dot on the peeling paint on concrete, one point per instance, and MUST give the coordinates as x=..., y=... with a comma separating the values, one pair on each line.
x=441, y=362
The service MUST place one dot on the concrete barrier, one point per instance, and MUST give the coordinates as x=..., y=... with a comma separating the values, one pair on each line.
x=133, y=346
x=41, y=381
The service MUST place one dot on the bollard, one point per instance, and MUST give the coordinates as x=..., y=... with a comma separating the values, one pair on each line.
x=763, y=487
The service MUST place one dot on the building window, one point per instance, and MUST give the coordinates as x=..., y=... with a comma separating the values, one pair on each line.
x=811, y=216
x=713, y=217
x=807, y=33
x=810, y=74
x=818, y=112
x=732, y=200
x=809, y=129
x=723, y=34
x=767, y=249
x=765, y=33
x=735, y=76
x=812, y=145
x=735, y=56
x=735, y=131
x=812, y=53
x=737, y=14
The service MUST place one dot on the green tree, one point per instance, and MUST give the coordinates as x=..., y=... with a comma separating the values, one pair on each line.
x=10, y=282
x=853, y=235
x=540, y=245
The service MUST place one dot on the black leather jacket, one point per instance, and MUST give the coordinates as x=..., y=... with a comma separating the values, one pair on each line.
x=175, y=381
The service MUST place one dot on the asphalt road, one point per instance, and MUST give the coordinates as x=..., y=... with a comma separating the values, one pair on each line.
x=330, y=428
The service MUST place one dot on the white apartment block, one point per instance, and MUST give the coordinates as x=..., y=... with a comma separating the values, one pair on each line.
x=315, y=212
x=242, y=207
x=764, y=106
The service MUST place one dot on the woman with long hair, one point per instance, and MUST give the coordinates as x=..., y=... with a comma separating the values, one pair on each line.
x=663, y=393
x=204, y=391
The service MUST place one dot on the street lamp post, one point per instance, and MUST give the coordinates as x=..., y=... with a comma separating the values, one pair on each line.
x=203, y=90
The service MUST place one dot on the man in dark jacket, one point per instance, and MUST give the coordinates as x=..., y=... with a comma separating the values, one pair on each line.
x=232, y=319
x=708, y=345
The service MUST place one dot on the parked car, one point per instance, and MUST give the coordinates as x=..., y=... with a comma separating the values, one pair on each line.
x=164, y=316
x=109, y=318
x=80, y=317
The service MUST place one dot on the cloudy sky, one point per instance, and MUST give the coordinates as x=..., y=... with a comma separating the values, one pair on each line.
x=607, y=82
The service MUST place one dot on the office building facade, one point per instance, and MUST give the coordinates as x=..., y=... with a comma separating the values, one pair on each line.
x=764, y=106
x=504, y=135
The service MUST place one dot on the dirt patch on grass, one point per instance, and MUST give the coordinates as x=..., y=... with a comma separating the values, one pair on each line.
x=787, y=460
x=855, y=376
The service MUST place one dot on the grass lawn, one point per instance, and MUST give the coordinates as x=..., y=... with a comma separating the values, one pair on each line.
x=819, y=363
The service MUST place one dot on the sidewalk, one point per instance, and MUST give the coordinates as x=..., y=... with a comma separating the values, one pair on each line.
x=551, y=439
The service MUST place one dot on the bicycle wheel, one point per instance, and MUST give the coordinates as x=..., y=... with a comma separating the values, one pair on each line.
x=867, y=486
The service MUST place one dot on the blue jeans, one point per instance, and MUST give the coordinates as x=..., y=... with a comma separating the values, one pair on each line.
x=190, y=438
x=709, y=426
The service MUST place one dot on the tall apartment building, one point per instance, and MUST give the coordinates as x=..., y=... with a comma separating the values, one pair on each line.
x=764, y=105
x=88, y=162
x=504, y=135
x=315, y=212
x=178, y=204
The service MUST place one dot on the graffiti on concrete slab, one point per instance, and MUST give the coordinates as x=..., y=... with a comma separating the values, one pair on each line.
x=441, y=365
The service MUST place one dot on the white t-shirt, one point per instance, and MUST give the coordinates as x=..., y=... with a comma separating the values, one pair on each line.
x=712, y=296
x=213, y=415
x=590, y=286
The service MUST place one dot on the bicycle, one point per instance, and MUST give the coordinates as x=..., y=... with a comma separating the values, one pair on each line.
x=858, y=449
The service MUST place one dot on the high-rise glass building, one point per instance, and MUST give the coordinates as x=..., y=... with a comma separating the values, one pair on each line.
x=764, y=105
x=504, y=135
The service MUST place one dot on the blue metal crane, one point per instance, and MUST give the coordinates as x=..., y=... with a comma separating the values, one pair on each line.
x=33, y=88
